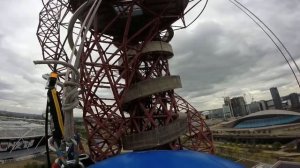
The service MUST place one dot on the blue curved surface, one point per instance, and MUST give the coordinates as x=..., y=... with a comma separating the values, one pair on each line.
x=265, y=122
x=166, y=159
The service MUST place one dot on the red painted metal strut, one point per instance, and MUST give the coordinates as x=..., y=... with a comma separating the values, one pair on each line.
x=127, y=90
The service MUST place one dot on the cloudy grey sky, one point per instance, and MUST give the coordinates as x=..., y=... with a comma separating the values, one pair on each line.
x=222, y=54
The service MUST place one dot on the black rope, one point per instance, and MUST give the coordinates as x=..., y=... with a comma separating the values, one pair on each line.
x=50, y=85
x=46, y=136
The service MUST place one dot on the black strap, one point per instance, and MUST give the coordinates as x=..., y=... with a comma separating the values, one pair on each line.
x=54, y=104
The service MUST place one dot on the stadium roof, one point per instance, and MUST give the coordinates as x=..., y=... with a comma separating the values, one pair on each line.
x=263, y=115
x=272, y=112
x=11, y=129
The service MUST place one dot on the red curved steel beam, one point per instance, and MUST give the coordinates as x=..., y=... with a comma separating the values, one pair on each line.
x=115, y=58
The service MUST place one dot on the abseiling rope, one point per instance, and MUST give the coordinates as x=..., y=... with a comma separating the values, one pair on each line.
x=70, y=87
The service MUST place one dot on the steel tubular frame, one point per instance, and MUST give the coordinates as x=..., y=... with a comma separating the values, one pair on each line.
x=101, y=86
x=198, y=137
x=48, y=31
x=156, y=110
x=109, y=66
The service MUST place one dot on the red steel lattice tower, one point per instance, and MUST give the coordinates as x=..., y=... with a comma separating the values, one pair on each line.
x=127, y=91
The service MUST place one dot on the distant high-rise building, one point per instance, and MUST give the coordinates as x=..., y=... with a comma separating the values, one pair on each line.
x=227, y=111
x=216, y=113
x=238, y=105
x=254, y=107
x=276, y=98
x=294, y=98
x=227, y=101
x=263, y=105
x=228, y=107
